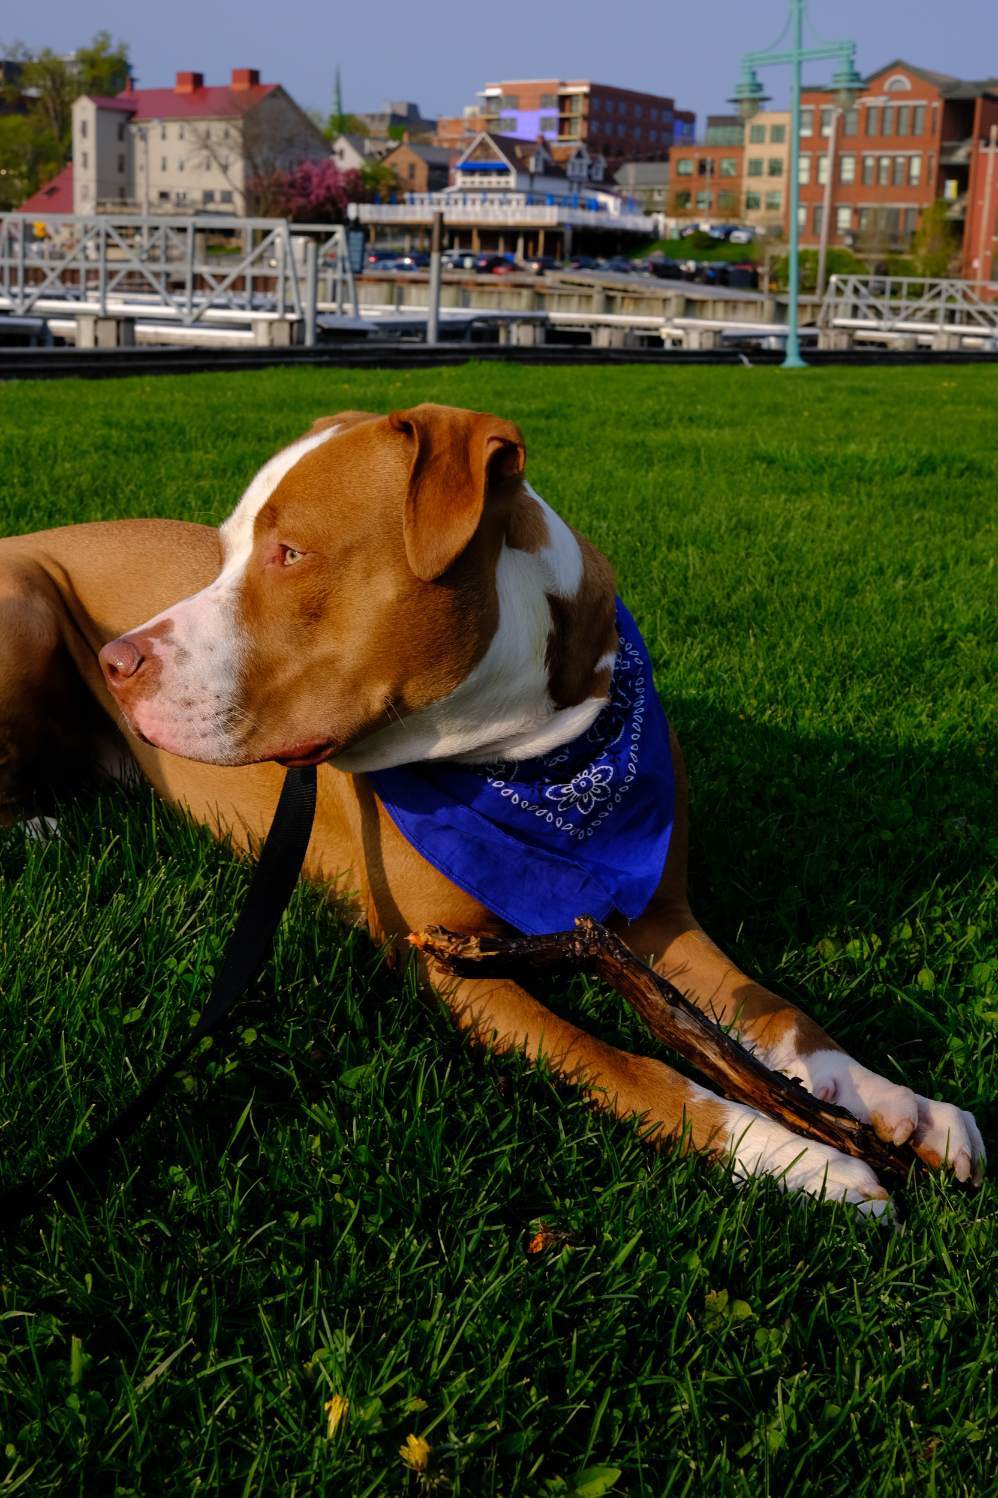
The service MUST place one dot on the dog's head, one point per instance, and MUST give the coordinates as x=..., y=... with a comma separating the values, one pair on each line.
x=391, y=590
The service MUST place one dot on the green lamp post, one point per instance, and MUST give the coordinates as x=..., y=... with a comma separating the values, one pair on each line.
x=749, y=95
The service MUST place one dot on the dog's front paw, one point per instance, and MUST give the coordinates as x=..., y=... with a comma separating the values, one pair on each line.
x=890, y=1110
x=948, y=1136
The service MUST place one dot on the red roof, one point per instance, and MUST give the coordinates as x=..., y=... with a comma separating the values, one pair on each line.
x=122, y=102
x=54, y=196
x=213, y=102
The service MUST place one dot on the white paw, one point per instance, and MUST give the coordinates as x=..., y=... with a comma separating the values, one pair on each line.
x=760, y=1146
x=892, y=1111
x=40, y=828
x=947, y=1135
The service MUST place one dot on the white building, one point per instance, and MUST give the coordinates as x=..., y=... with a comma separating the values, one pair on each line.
x=190, y=147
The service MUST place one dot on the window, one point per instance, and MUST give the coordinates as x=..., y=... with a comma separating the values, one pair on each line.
x=904, y=119
x=653, y=135
x=757, y=135
x=777, y=134
x=180, y=163
x=804, y=170
x=801, y=216
x=727, y=202
x=225, y=197
x=684, y=166
x=910, y=221
x=873, y=120
x=164, y=197
x=507, y=122
x=638, y=111
x=843, y=219
x=550, y=101
x=682, y=200
x=753, y=200
x=850, y=121
x=847, y=168
x=818, y=217
x=888, y=120
x=914, y=170
x=822, y=170
x=918, y=120
x=884, y=171
x=827, y=115
x=84, y=161
x=162, y=163
x=162, y=132
x=869, y=170
x=121, y=129
x=209, y=195
x=83, y=129
x=549, y=122
x=807, y=121
x=703, y=202
x=774, y=167
x=512, y=101
x=755, y=166
x=729, y=166
x=900, y=170
x=705, y=167
x=774, y=201
x=180, y=132
x=121, y=164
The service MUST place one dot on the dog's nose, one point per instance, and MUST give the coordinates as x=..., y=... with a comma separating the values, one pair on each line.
x=119, y=660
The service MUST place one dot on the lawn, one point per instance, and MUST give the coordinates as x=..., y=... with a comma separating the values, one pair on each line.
x=341, y=1199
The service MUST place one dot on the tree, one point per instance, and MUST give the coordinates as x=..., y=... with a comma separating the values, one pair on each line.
x=313, y=192
x=29, y=156
x=37, y=142
x=935, y=246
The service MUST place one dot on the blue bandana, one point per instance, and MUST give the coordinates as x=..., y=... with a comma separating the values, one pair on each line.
x=583, y=830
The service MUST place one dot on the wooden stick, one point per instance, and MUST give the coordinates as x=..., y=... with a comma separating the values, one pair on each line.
x=673, y=1019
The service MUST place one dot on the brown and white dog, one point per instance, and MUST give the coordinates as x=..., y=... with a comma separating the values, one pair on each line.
x=390, y=590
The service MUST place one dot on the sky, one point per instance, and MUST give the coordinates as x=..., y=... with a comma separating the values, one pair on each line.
x=440, y=54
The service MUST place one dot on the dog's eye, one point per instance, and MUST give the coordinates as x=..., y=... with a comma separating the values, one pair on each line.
x=289, y=556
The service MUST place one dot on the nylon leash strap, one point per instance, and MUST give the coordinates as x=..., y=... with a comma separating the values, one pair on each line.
x=274, y=878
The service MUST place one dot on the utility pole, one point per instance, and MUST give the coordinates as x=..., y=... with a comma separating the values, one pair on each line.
x=985, y=252
x=826, y=210
x=433, y=307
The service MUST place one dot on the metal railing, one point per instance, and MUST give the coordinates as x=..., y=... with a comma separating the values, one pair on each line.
x=157, y=266
x=458, y=209
x=911, y=304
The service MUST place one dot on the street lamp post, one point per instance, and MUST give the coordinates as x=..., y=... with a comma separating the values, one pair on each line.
x=749, y=95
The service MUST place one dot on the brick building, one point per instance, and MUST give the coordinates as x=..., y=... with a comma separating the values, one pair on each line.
x=912, y=137
x=767, y=172
x=620, y=124
x=707, y=176
x=980, y=236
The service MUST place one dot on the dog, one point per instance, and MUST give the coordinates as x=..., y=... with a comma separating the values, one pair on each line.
x=392, y=601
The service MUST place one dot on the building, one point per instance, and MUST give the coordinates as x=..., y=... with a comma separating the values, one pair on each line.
x=396, y=116
x=420, y=168
x=766, y=175
x=458, y=131
x=913, y=137
x=352, y=153
x=513, y=196
x=54, y=196
x=187, y=148
x=707, y=177
x=646, y=183
x=619, y=124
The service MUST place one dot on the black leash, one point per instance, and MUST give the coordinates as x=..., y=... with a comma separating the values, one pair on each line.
x=273, y=882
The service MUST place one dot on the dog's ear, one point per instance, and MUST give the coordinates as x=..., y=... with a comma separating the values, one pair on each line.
x=458, y=460
x=342, y=419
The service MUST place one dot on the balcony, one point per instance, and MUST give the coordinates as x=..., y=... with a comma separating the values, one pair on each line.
x=512, y=210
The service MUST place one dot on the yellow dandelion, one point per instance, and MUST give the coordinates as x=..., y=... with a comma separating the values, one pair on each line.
x=336, y=1412
x=415, y=1453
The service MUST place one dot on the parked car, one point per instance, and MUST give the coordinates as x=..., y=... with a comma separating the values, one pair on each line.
x=494, y=264
x=664, y=268
x=620, y=265
x=582, y=262
x=379, y=258
x=417, y=260
x=538, y=264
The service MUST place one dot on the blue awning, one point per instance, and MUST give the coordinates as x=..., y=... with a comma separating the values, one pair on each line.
x=483, y=166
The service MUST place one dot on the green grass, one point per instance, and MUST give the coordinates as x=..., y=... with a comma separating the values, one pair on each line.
x=339, y=1199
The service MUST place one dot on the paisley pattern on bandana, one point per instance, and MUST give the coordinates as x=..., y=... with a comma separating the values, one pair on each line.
x=583, y=830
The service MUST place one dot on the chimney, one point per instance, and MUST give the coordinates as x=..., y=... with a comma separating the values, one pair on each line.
x=405, y=137
x=243, y=78
x=187, y=83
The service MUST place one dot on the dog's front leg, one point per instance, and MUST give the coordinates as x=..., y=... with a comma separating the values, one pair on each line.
x=506, y=1017
x=788, y=1040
